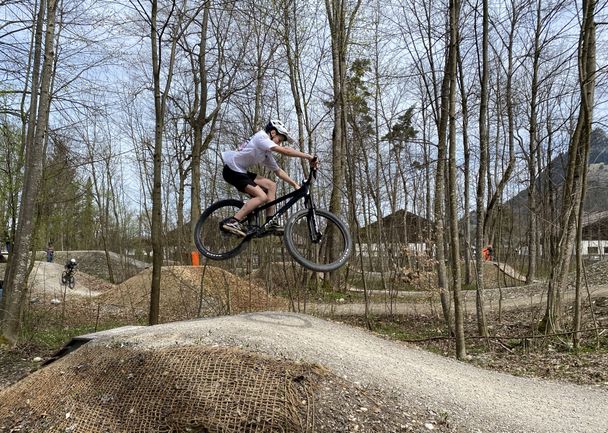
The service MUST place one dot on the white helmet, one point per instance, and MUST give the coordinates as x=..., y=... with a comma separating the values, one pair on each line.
x=279, y=126
x=72, y=260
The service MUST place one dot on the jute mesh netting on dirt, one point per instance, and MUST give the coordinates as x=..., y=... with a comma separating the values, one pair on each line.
x=177, y=389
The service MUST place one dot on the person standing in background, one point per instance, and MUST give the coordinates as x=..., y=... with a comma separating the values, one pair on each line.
x=50, y=253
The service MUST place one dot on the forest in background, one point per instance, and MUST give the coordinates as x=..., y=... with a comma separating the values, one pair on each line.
x=113, y=117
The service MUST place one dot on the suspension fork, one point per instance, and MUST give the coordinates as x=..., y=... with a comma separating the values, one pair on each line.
x=311, y=219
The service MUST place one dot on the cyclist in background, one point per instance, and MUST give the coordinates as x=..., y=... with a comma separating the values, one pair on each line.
x=70, y=266
x=258, y=149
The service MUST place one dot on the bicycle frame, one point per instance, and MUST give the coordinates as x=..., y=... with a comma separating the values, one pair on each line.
x=291, y=198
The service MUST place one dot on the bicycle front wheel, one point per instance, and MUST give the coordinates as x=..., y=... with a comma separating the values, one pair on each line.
x=209, y=239
x=318, y=240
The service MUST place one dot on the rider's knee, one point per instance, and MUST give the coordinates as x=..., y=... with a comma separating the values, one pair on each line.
x=263, y=197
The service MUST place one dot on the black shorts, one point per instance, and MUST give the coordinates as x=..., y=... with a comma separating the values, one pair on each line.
x=239, y=180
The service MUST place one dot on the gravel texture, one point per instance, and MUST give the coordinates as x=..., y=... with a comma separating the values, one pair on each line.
x=469, y=398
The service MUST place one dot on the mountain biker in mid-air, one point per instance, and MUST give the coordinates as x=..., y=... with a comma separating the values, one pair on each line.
x=258, y=150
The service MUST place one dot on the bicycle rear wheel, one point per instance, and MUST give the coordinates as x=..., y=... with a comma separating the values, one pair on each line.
x=209, y=239
x=320, y=242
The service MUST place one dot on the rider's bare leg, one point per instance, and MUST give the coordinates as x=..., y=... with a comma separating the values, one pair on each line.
x=271, y=191
x=258, y=198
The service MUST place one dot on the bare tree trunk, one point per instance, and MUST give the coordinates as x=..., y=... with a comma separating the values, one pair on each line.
x=335, y=12
x=495, y=199
x=467, y=173
x=439, y=199
x=199, y=117
x=160, y=103
x=15, y=293
x=533, y=143
x=198, y=124
x=340, y=25
x=451, y=71
x=587, y=70
x=157, y=246
x=481, y=185
x=574, y=186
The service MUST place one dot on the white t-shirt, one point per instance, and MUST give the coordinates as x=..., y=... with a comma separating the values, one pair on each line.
x=256, y=150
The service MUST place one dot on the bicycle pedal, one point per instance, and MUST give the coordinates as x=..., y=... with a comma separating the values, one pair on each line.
x=252, y=230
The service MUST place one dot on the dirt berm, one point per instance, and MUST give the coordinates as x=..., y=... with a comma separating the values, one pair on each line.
x=465, y=398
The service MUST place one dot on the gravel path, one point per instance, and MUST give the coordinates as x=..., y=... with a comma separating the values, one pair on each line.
x=412, y=303
x=46, y=279
x=473, y=399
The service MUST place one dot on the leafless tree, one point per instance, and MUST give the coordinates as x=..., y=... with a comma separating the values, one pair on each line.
x=483, y=166
x=16, y=280
x=161, y=95
x=574, y=186
x=341, y=20
x=449, y=111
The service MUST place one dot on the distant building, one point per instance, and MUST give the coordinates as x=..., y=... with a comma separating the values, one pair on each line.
x=595, y=234
x=399, y=230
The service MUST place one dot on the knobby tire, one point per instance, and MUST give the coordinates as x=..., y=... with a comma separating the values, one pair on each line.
x=209, y=238
x=316, y=257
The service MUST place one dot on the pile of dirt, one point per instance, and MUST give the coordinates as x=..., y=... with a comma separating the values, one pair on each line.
x=188, y=292
x=419, y=279
x=51, y=303
x=196, y=388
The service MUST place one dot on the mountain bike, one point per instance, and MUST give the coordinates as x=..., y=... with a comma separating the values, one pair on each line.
x=67, y=278
x=315, y=238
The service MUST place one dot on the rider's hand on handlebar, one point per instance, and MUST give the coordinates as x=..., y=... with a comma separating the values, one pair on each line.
x=314, y=162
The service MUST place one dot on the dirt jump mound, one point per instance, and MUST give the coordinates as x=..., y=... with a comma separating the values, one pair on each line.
x=189, y=292
x=178, y=389
x=185, y=389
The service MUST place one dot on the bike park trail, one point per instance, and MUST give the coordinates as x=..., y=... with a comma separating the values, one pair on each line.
x=427, y=302
x=502, y=267
x=45, y=279
x=470, y=398
x=509, y=271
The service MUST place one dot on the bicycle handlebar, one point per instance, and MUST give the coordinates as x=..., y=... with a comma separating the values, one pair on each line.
x=313, y=170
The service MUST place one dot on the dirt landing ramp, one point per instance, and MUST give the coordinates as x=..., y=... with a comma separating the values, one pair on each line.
x=150, y=370
x=175, y=389
x=123, y=388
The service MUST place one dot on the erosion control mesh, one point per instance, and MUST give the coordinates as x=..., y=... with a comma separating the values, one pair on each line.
x=177, y=389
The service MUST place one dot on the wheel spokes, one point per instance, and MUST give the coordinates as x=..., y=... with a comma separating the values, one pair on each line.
x=213, y=238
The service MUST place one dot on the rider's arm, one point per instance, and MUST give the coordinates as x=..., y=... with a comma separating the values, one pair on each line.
x=284, y=176
x=288, y=151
